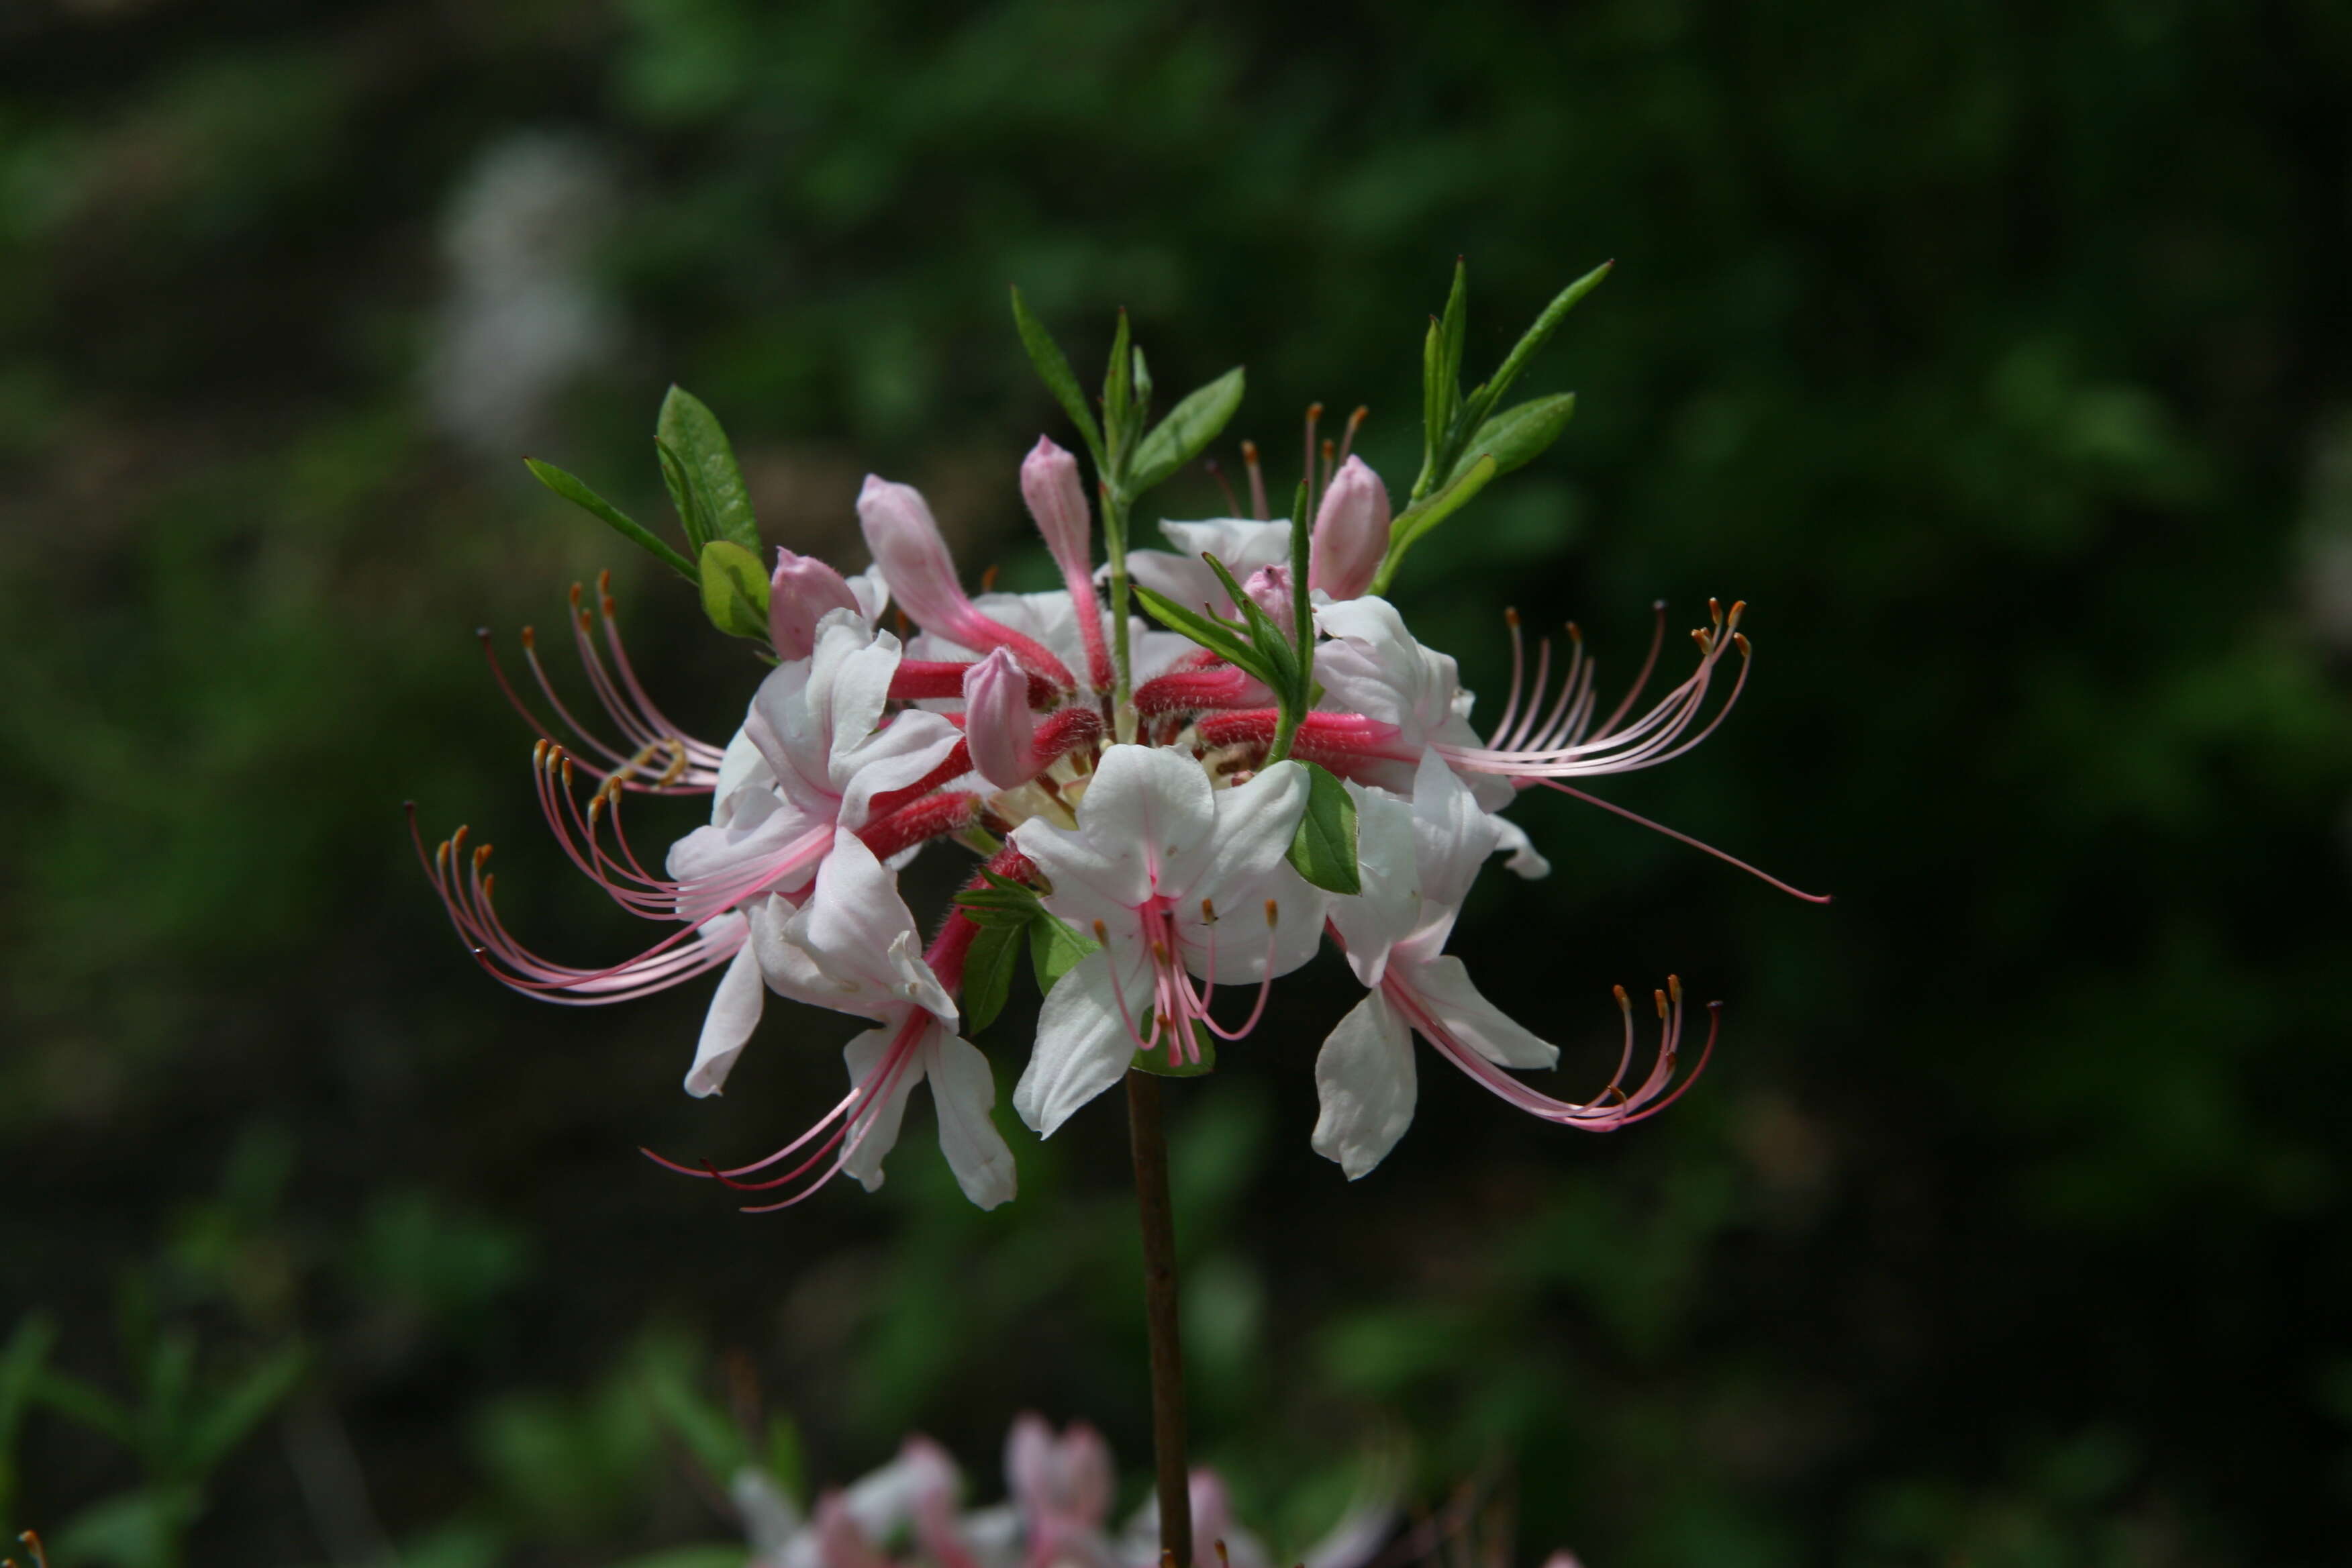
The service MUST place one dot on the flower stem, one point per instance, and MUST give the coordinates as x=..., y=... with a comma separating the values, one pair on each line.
x=1158, y=1220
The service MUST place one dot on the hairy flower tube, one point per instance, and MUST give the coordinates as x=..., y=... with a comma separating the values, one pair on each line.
x=1213, y=849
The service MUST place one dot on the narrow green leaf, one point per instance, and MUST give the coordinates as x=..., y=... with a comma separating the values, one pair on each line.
x=1534, y=338
x=709, y=1432
x=1053, y=370
x=682, y=499
x=1118, y=395
x=688, y=428
x=1265, y=638
x=1457, y=332
x=1155, y=1061
x=1420, y=518
x=1054, y=948
x=231, y=1416
x=1218, y=637
x=1434, y=417
x=1323, y=850
x=1518, y=434
x=1142, y=388
x=988, y=975
x=734, y=590
x=1189, y=426
x=573, y=489
x=20, y=1367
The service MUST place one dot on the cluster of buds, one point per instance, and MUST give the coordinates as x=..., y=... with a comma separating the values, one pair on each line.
x=1154, y=813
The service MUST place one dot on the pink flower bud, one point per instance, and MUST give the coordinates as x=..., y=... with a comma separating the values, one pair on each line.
x=921, y=575
x=1352, y=532
x=1270, y=588
x=907, y=545
x=1057, y=500
x=804, y=591
x=1050, y=484
x=997, y=724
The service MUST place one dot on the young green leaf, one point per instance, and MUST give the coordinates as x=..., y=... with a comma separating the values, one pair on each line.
x=1323, y=850
x=1142, y=388
x=988, y=975
x=229, y=1415
x=1266, y=639
x=682, y=499
x=1518, y=434
x=1118, y=394
x=1419, y=519
x=688, y=428
x=573, y=489
x=1189, y=426
x=1054, y=948
x=1457, y=323
x=1218, y=637
x=1435, y=415
x=1486, y=397
x=734, y=590
x=1053, y=370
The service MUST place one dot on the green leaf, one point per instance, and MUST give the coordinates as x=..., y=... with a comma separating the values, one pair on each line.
x=1274, y=650
x=734, y=590
x=1142, y=388
x=1053, y=370
x=682, y=499
x=1455, y=328
x=717, y=1556
x=707, y=1432
x=138, y=1529
x=231, y=1416
x=1054, y=948
x=688, y=428
x=1189, y=426
x=1435, y=415
x=1155, y=1061
x=1518, y=434
x=573, y=489
x=1534, y=338
x=1323, y=850
x=1119, y=400
x=1218, y=637
x=1423, y=516
x=988, y=975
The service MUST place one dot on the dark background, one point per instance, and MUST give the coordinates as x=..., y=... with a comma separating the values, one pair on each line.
x=1996, y=354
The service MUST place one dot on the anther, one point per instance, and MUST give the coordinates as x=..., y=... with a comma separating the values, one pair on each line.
x=1674, y=988
x=1575, y=634
x=539, y=754
x=1624, y=1002
x=1273, y=913
x=567, y=769
x=1736, y=606
x=575, y=595
x=1158, y=950
x=529, y=639
x=1739, y=641
x=481, y=855
x=1208, y=913
x=1102, y=932
x=988, y=579
x=1221, y=1557
x=608, y=607
x=458, y=841
x=1511, y=616
x=1662, y=1003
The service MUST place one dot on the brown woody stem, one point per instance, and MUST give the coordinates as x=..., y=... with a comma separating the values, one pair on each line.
x=1158, y=1219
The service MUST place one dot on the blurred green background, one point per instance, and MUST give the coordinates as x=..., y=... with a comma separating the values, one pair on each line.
x=1997, y=355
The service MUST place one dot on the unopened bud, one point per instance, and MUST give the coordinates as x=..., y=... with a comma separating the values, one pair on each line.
x=802, y=592
x=1270, y=589
x=1352, y=532
x=997, y=724
x=907, y=545
x=1057, y=500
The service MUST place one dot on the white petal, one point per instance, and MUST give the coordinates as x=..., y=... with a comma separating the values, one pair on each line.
x=866, y=1056
x=906, y=749
x=1083, y=1043
x=1149, y=818
x=1364, y=1075
x=851, y=947
x=1444, y=987
x=734, y=1014
x=1388, y=910
x=741, y=771
x=1524, y=858
x=1238, y=941
x=1256, y=823
x=1452, y=835
x=963, y=1091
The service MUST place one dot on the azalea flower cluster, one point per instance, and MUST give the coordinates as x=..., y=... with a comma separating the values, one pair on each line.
x=1140, y=808
x=1060, y=1488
